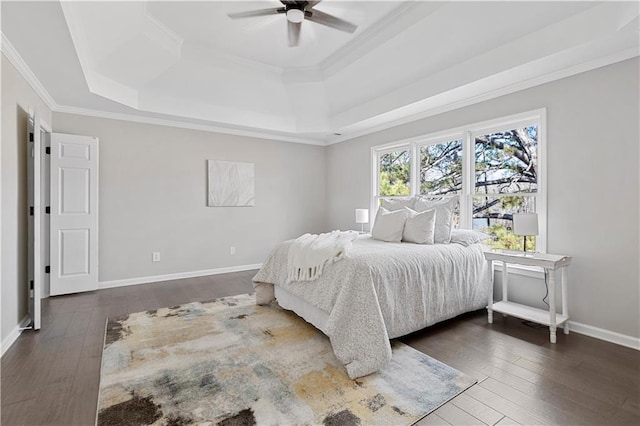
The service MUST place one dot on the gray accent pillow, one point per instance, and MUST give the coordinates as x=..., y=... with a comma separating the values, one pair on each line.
x=420, y=227
x=393, y=204
x=389, y=225
x=444, y=215
x=466, y=237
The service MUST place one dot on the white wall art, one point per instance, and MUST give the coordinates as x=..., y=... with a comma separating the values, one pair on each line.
x=231, y=184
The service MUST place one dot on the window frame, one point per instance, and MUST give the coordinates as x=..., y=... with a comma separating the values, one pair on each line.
x=467, y=134
x=384, y=149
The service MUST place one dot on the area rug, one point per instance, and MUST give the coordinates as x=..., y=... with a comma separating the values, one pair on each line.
x=231, y=362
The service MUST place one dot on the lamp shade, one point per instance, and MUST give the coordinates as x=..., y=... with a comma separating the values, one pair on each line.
x=362, y=216
x=525, y=224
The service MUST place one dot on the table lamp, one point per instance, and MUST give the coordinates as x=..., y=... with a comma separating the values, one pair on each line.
x=362, y=217
x=525, y=224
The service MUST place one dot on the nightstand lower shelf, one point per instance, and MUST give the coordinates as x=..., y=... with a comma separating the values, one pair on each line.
x=517, y=310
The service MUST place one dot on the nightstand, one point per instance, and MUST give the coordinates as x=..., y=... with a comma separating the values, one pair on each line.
x=550, y=263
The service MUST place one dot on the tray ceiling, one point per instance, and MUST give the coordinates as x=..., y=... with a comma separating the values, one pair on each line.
x=189, y=62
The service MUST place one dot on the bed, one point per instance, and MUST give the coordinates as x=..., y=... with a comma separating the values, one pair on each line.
x=380, y=291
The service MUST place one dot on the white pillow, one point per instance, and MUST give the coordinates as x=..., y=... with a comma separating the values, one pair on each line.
x=419, y=227
x=393, y=204
x=444, y=216
x=466, y=237
x=389, y=225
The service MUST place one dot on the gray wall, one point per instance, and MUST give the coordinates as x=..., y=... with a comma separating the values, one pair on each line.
x=153, y=195
x=593, y=174
x=153, y=191
x=17, y=98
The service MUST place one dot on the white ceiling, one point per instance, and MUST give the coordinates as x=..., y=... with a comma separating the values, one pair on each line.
x=189, y=64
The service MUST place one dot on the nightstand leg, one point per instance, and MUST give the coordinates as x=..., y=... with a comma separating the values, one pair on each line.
x=505, y=287
x=490, y=301
x=552, y=304
x=565, y=302
x=505, y=284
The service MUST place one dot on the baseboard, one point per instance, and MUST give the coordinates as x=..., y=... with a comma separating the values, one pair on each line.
x=606, y=335
x=15, y=333
x=176, y=276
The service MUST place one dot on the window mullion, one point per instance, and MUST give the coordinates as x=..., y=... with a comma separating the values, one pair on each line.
x=466, y=202
x=415, y=169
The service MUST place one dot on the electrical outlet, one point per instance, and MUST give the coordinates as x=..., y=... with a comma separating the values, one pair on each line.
x=155, y=256
x=232, y=251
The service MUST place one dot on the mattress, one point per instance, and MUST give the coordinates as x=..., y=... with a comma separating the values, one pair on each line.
x=311, y=314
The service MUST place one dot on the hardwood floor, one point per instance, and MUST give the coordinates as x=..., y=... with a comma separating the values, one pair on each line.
x=52, y=376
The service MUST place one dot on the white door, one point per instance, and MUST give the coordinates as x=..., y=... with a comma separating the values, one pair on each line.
x=74, y=214
x=35, y=261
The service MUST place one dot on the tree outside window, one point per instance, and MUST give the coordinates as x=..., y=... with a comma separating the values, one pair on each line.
x=495, y=172
x=506, y=174
x=395, y=173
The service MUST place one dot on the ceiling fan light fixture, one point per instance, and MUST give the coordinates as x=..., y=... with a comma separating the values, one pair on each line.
x=295, y=16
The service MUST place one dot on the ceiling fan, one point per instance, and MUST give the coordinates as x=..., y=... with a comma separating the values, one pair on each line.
x=296, y=12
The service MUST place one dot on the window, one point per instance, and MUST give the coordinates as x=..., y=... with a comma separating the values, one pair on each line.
x=495, y=167
x=395, y=172
x=506, y=176
x=441, y=168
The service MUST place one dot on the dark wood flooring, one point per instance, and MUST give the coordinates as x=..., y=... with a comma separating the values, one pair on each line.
x=52, y=376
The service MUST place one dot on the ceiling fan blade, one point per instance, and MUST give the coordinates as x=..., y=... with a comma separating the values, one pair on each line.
x=261, y=12
x=311, y=4
x=293, y=33
x=329, y=20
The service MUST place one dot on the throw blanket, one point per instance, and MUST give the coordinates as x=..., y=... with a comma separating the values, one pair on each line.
x=309, y=253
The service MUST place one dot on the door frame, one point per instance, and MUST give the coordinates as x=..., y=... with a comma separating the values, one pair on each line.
x=38, y=133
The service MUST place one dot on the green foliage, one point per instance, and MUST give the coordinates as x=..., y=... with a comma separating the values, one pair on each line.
x=441, y=168
x=511, y=203
x=395, y=171
x=396, y=188
x=506, y=162
x=504, y=238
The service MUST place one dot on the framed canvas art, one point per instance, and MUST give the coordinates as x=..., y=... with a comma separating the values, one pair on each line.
x=231, y=184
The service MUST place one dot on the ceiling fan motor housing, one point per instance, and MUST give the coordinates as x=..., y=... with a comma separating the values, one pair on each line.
x=295, y=14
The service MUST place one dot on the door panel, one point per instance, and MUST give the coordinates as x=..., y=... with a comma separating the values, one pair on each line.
x=74, y=252
x=74, y=190
x=74, y=214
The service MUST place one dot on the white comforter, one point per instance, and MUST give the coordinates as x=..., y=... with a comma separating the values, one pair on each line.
x=386, y=290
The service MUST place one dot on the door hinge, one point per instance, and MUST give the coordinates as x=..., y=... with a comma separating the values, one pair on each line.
x=31, y=285
x=47, y=150
x=30, y=136
x=30, y=210
x=47, y=269
x=47, y=210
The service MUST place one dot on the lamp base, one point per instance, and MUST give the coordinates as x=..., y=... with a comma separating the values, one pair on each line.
x=524, y=249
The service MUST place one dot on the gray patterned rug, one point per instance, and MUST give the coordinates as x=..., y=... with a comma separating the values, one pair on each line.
x=231, y=362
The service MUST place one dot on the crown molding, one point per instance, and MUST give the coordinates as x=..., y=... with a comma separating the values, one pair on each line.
x=467, y=101
x=16, y=60
x=185, y=125
x=23, y=69
x=413, y=112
